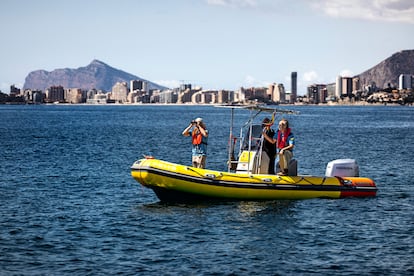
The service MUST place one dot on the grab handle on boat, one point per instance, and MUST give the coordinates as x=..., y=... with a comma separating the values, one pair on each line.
x=212, y=176
x=207, y=175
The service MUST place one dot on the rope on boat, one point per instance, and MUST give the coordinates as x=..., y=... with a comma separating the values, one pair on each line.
x=207, y=175
x=306, y=180
x=221, y=174
x=268, y=181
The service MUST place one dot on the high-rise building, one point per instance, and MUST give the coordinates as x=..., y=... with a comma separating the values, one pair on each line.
x=293, y=87
x=55, y=94
x=225, y=96
x=136, y=85
x=14, y=91
x=346, y=86
x=139, y=85
x=356, y=84
x=405, y=82
x=74, y=95
x=338, y=90
x=120, y=92
x=277, y=93
x=167, y=96
x=317, y=93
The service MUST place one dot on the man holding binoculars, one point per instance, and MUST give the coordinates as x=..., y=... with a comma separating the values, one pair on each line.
x=199, y=134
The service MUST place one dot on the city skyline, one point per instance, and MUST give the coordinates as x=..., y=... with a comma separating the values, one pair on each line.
x=215, y=44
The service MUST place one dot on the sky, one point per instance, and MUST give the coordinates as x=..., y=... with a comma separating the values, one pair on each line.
x=213, y=44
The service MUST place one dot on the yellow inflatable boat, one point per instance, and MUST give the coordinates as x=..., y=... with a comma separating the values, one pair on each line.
x=174, y=182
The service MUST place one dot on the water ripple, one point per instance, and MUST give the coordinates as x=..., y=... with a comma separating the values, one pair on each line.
x=69, y=205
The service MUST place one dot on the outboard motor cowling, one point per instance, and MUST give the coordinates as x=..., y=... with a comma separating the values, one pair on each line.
x=342, y=167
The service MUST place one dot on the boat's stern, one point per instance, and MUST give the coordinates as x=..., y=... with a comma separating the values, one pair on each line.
x=358, y=187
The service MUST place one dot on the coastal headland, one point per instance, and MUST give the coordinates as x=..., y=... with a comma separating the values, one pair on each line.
x=389, y=82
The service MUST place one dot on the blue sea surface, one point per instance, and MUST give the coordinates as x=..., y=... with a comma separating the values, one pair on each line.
x=69, y=206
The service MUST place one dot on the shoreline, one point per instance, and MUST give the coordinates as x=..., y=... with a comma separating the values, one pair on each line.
x=207, y=104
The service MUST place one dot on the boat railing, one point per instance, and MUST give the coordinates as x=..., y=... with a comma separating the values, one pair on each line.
x=253, y=140
x=248, y=146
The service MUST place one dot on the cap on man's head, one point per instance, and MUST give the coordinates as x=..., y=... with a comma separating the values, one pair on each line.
x=199, y=120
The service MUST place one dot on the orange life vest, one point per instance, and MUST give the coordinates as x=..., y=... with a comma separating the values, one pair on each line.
x=196, y=138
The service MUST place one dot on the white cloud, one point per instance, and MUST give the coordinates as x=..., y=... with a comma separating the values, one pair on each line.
x=377, y=10
x=169, y=83
x=250, y=81
x=310, y=76
x=233, y=3
x=346, y=73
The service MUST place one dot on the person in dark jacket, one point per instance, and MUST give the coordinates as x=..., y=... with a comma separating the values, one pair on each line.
x=269, y=147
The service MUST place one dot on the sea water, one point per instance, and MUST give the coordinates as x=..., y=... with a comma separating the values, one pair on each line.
x=68, y=205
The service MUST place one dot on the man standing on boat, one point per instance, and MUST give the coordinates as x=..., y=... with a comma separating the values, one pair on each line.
x=199, y=136
x=285, y=142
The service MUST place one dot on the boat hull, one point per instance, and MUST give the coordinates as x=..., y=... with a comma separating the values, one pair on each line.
x=174, y=182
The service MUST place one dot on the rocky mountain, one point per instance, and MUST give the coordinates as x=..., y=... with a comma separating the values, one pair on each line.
x=386, y=73
x=95, y=75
